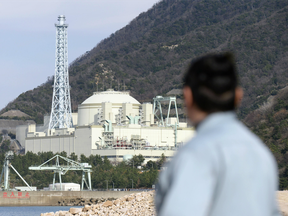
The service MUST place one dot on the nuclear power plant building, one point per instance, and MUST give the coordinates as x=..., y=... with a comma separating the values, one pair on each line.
x=113, y=124
x=109, y=123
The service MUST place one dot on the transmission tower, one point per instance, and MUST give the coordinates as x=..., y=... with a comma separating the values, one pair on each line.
x=61, y=106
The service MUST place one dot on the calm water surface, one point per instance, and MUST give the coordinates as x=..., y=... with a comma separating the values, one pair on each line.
x=32, y=210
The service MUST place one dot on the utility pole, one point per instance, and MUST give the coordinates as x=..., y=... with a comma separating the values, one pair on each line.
x=106, y=184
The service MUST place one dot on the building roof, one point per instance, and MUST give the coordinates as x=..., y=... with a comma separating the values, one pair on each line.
x=175, y=92
x=110, y=96
x=14, y=113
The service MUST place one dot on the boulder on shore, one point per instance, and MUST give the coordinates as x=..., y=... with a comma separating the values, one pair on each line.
x=134, y=204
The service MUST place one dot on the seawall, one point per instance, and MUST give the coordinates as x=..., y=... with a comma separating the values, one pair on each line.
x=55, y=198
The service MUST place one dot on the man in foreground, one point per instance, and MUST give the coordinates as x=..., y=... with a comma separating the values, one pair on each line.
x=225, y=170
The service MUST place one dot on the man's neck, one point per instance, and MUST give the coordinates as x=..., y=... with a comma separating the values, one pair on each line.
x=197, y=116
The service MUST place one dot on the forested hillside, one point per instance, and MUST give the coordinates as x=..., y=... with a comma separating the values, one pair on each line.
x=270, y=123
x=151, y=54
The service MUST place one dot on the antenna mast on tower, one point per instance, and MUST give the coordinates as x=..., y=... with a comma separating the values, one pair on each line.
x=61, y=116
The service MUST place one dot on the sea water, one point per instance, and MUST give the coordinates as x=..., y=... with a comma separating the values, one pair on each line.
x=32, y=210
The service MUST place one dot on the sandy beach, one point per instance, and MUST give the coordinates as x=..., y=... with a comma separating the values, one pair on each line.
x=283, y=202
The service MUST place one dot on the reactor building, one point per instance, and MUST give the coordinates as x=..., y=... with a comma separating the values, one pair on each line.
x=108, y=123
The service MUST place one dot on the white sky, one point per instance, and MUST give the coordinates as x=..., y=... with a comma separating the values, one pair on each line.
x=27, y=36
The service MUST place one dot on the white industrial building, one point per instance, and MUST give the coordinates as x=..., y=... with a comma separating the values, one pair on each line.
x=109, y=123
x=63, y=187
x=112, y=124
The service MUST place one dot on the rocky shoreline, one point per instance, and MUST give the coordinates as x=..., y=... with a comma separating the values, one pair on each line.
x=134, y=204
x=83, y=201
x=138, y=204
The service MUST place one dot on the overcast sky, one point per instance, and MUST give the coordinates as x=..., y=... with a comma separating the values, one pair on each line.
x=27, y=32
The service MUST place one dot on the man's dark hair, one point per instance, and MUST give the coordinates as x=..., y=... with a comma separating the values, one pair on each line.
x=213, y=79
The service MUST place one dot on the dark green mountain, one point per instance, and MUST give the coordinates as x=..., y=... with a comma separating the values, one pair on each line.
x=270, y=123
x=151, y=54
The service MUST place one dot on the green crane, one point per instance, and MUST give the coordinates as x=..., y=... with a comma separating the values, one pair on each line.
x=63, y=169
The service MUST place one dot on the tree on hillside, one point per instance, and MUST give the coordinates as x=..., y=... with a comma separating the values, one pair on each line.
x=5, y=146
x=73, y=156
x=136, y=160
x=151, y=165
x=161, y=161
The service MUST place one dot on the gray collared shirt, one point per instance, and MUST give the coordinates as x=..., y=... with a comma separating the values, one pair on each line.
x=224, y=170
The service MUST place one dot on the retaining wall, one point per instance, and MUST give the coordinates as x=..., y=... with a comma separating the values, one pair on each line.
x=55, y=198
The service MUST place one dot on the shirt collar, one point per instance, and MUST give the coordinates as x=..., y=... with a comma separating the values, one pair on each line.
x=214, y=119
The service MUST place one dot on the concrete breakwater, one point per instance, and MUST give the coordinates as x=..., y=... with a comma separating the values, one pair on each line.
x=58, y=198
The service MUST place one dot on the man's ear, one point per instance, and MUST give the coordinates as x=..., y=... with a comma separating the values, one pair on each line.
x=238, y=96
x=188, y=96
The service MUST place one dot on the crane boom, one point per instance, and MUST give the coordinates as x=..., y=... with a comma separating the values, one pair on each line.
x=63, y=169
